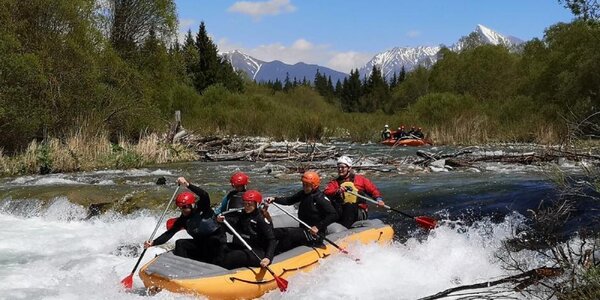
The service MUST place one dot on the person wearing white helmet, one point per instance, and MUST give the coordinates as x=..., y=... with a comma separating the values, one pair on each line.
x=351, y=208
x=386, y=133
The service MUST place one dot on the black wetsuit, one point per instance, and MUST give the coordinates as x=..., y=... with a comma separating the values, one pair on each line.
x=208, y=237
x=257, y=232
x=314, y=210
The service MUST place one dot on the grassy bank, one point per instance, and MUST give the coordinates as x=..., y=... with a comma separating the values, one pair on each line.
x=85, y=151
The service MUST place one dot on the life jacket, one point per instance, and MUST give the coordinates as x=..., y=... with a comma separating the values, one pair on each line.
x=201, y=224
x=234, y=200
x=350, y=198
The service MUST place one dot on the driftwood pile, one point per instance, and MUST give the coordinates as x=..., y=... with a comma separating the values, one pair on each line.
x=468, y=158
x=215, y=148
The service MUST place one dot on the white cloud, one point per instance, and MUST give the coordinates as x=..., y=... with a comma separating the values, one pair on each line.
x=184, y=26
x=259, y=9
x=302, y=50
x=346, y=61
x=302, y=45
x=413, y=33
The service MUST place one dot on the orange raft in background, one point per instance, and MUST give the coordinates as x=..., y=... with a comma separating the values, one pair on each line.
x=183, y=275
x=407, y=142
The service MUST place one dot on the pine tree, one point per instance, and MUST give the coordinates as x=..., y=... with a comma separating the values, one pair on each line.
x=277, y=86
x=287, y=84
x=338, y=89
x=207, y=68
x=393, y=81
x=351, y=92
x=190, y=54
x=210, y=67
x=402, y=75
x=376, y=92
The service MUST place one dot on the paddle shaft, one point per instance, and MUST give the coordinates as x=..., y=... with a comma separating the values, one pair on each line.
x=156, y=228
x=308, y=226
x=385, y=206
x=246, y=244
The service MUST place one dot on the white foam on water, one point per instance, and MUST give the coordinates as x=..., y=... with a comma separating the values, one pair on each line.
x=415, y=269
x=53, y=256
x=54, y=179
x=161, y=172
x=58, y=255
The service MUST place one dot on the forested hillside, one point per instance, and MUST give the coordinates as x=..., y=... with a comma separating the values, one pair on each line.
x=115, y=67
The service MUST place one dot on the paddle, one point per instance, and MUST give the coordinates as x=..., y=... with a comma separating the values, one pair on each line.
x=128, y=281
x=320, y=234
x=281, y=283
x=425, y=222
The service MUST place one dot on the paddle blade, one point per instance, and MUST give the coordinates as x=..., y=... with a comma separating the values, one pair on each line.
x=426, y=222
x=281, y=283
x=128, y=281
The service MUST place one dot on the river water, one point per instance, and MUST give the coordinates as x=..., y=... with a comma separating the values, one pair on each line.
x=51, y=247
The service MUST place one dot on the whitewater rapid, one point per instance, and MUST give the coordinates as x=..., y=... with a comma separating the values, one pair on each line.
x=54, y=253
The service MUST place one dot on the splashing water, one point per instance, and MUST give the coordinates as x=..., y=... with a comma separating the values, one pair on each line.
x=56, y=254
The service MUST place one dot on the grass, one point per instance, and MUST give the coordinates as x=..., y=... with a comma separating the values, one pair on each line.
x=86, y=152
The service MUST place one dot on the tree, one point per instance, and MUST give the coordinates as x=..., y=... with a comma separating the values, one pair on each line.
x=415, y=86
x=287, y=84
x=190, y=55
x=210, y=68
x=402, y=75
x=561, y=72
x=130, y=21
x=376, y=92
x=351, y=92
x=583, y=9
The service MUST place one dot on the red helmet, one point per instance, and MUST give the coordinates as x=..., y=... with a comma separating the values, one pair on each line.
x=239, y=178
x=252, y=195
x=185, y=198
x=311, y=178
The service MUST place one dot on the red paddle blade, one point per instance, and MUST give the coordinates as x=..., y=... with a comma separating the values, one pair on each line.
x=281, y=283
x=426, y=222
x=128, y=281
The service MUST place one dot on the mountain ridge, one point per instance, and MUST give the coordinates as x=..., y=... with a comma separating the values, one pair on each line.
x=389, y=61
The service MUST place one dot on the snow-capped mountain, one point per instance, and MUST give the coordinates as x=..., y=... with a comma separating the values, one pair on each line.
x=391, y=61
x=261, y=71
x=488, y=36
x=243, y=62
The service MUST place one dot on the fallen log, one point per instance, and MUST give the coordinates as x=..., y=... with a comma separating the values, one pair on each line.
x=236, y=155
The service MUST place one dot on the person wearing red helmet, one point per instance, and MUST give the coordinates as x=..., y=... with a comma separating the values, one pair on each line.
x=314, y=209
x=256, y=231
x=198, y=219
x=349, y=207
x=400, y=133
x=233, y=199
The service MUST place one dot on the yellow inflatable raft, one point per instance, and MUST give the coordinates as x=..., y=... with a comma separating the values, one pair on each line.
x=182, y=275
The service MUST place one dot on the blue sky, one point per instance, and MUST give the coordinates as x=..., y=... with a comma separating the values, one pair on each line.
x=345, y=34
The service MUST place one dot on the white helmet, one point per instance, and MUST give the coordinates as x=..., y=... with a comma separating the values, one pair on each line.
x=386, y=126
x=345, y=160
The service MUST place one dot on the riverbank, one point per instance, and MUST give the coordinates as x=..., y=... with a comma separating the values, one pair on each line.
x=91, y=152
x=81, y=152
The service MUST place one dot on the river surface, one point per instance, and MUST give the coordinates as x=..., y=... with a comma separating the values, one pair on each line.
x=53, y=248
